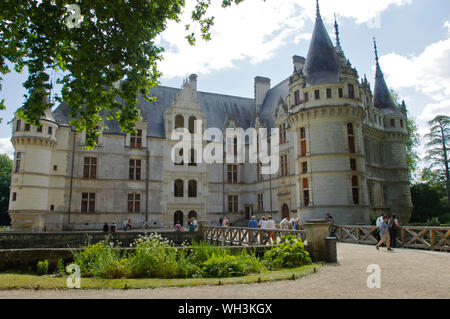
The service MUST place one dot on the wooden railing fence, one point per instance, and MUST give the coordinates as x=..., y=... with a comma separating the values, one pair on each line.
x=247, y=236
x=430, y=238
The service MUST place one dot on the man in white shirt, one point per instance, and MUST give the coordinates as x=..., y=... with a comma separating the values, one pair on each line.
x=271, y=223
x=284, y=223
x=263, y=223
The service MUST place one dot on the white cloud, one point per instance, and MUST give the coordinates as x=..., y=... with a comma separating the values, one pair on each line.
x=427, y=72
x=254, y=30
x=6, y=147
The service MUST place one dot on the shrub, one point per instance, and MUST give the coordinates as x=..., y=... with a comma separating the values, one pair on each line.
x=231, y=265
x=60, y=268
x=100, y=259
x=290, y=253
x=42, y=268
x=433, y=222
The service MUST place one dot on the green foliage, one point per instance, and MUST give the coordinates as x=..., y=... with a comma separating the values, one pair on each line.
x=42, y=268
x=60, y=268
x=291, y=253
x=438, y=147
x=99, y=260
x=5, y=183
x=220, y=266
x=122, y=37
x=433, y=222
x=427, y=202
x=156, y=257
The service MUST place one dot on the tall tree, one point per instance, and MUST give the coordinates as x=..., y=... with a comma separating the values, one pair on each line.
x=438, y=147
x=93, y=44
x=5, y=182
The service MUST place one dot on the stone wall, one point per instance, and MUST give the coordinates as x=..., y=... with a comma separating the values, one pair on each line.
x=14, y=240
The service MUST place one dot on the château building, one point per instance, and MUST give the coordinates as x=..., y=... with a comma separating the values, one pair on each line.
x=342, y=151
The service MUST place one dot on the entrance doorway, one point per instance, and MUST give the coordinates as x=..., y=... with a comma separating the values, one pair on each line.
x=178, y=218
x=284, y=211
x=191, y=214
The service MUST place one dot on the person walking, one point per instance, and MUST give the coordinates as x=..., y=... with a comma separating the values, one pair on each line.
x=129, y=224
x=125, y=224
x=220, y=221
x=195, y=222
x=106, y=228
x=384, y=234
x=113, y=227
x=378, y=222
x=394, y=227
x=191, y=225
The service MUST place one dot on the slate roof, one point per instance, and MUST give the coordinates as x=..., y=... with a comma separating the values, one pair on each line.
x=270, y=104
x=322, y=64
x=382, y=98
x=217, y=109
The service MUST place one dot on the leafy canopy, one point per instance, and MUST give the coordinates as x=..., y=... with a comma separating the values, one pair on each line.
x=110, y=41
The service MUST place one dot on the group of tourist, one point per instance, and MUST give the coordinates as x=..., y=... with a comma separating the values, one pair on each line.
x=126, y=225
x=192, y=225
x=388, y=228
x=269, y=223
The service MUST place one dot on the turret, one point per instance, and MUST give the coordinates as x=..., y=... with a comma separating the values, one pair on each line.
x=32, y=163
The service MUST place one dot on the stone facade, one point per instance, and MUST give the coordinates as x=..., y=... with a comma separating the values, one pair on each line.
x=345, y=155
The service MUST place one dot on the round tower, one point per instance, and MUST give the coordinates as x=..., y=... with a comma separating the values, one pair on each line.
x=326, y=120
x=30, y=178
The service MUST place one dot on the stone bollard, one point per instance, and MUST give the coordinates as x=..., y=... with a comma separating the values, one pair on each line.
x=316, y=231
x=330, y=249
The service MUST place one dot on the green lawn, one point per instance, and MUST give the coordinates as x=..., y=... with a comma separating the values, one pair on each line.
x=21, y=281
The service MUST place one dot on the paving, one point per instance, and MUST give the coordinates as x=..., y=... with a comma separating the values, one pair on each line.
x=404, y=273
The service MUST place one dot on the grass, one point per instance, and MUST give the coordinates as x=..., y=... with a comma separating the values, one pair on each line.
x=21, y=281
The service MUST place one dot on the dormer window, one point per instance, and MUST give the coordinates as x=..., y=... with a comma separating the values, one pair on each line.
x=136, y=139
x=328, y=93
x=39, y=129
x=392, y=123
x=341, y=92
x=306, y=97
x=18, y=125
x=27, y=127
x=50, y=130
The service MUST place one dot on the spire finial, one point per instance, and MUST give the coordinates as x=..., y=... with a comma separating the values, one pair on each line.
x=336, y=28
x=376, y=49
x=318, y=10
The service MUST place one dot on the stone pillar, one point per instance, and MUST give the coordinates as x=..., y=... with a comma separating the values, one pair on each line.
x=316, y=231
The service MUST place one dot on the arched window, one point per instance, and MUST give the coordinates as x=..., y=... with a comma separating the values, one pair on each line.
x=178, y=217
x=192, y=188
x=192, y=124
x=179, y=121
x=192, y=214
x=178, y=188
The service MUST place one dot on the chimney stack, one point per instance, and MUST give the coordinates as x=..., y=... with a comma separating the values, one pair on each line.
x=262, y=86
x=299, y=62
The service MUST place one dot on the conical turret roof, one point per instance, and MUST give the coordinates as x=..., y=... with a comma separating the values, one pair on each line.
x=322, y=64
x=382, y=98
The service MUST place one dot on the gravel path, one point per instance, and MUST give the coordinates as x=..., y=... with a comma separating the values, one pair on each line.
x=404, y=274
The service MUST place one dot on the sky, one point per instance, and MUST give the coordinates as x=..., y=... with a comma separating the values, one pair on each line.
x=259, y=38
